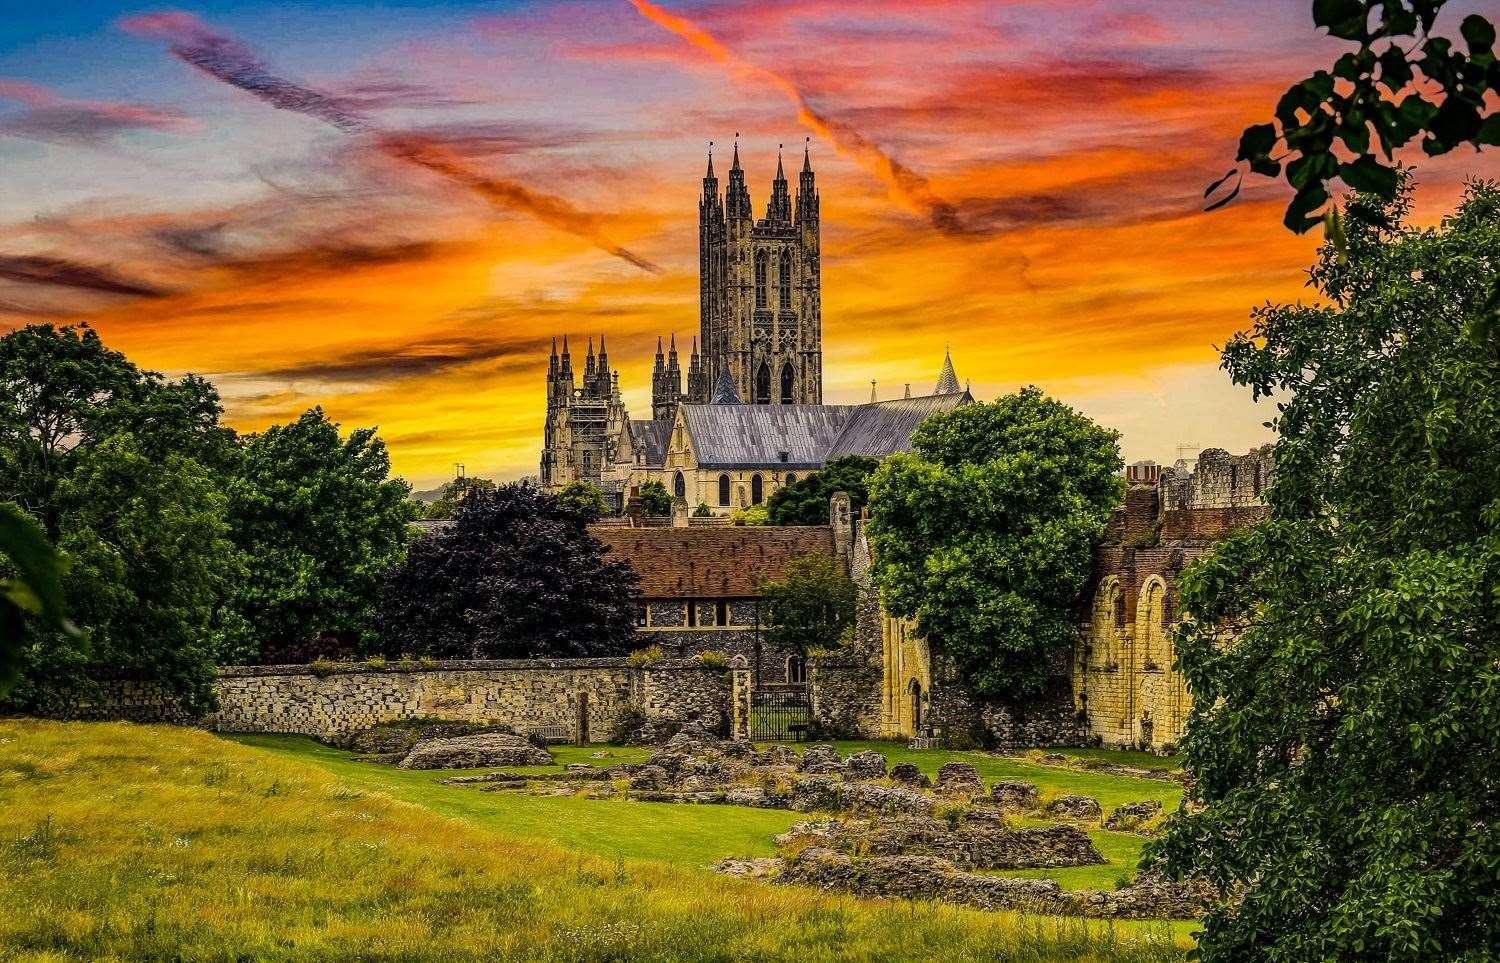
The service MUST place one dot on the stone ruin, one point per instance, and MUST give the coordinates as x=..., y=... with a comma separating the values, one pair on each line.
x=887, y=832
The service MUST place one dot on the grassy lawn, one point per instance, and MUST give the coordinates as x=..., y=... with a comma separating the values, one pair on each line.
x=120, y=841
x=1052, y=781
x=691, y=835
x=700, y=835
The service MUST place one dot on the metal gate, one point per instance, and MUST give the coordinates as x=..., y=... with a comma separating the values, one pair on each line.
x=780, y=713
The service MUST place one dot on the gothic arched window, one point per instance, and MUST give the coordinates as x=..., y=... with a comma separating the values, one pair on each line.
x=757, y=490
x=787, y=395
x=763, y=384
x=791, y=479
x=679, y=485
x=723, y=489
x=760, y=279
x=784, y=281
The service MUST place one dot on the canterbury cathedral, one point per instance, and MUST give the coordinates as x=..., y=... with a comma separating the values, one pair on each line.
x=748, y=416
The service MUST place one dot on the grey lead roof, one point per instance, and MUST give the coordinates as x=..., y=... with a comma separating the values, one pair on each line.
x=755, y=436
x=650, y=439
x=886, y=427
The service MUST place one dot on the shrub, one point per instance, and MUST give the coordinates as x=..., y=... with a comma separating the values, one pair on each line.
x=702, y=511
x=751, y=515
x=322, y=667
x=713, y=659
x=407, y=664
x=375, y=663
x=645, y=658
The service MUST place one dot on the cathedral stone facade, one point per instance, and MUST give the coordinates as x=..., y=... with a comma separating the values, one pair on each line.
x=746, y=416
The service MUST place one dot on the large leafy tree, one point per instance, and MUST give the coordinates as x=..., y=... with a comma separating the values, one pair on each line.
x=1344, y=655
x=323, y=522
x=62, y=392
x=811, y=606
x=654, y=499
x=31, y=573
x=1402, y=82
x=984, y=533
x=517, y=575
x=149, y=565
x=805, y=501
x=117, y=465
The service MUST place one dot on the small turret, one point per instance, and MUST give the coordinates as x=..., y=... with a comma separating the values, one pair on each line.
x=737, y=203
x=588, y=368
x=565, y=375
x=807, y=188
x=779, y=208
x=602, y=374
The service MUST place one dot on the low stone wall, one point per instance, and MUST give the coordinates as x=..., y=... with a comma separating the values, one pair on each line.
x=582, y=700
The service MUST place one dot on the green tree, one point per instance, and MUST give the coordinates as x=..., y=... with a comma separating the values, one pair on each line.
x=34, y=588
x=445, y=508
x=62, y=392
x=984, y=532
x=811, y=607
x=805, y=501
x=583, y=498
x=1385, y=88
x=323, y=523
x=703, y=511
x=654, y=499
x=1344, y=743
x=149, y=567
x=112, y=461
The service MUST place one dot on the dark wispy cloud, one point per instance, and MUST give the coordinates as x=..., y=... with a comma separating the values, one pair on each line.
x=414, y=359
x=56, y=272
x=48, y=116
x=226, y=59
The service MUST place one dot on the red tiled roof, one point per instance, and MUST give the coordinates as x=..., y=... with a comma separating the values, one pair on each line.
x=707, y=563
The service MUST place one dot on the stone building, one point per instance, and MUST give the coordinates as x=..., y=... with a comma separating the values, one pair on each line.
x=1125, y=687
x=759, y=348
x=583, y=420
x=1118, y=687
x=701, y=587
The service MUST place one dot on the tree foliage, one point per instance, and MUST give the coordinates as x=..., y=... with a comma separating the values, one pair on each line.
x=150, y=565
x=1344, y=742
x=117, y=464
x=1402, y=82
x=811, y=607
x=322, y=522
x=445, y=507
x=32, y=588
x=984, y=533
x=805, y=501
x=654, y=499
x=517, y=575
x=584, y=499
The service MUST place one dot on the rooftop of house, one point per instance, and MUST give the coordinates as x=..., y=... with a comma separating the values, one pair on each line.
x=709, y=563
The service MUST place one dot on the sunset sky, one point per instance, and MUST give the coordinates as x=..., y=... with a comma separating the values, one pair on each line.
x=389, y=208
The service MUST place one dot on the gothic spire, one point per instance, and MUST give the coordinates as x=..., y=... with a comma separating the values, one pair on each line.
x=807, y=156
x=710, y=175
x=724, y=393
x=948, y=379
x=736, y=165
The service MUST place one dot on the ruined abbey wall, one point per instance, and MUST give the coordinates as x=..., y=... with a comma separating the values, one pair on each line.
x=1125, y=686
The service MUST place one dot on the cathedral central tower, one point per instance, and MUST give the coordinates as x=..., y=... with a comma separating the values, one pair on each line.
x=760, y=290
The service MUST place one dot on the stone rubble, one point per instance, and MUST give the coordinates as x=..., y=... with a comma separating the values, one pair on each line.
x=475, y=752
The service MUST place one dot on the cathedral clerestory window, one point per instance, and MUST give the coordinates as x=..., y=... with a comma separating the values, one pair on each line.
x=784, y=281
x=788, y=396
x=760, y=280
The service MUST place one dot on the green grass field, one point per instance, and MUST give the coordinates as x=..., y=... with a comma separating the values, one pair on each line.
x=700, y=835
x=126, y=842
